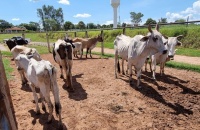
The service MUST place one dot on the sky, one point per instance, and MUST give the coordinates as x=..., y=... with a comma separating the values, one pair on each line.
x=100, y=11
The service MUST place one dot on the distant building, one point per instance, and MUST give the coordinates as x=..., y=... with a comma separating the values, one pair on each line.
x=14, y=30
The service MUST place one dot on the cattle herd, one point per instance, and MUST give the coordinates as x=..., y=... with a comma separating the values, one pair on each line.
x=39, y=73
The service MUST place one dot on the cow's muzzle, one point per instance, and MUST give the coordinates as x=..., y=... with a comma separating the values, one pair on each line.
x=165, y=51
x=171, y=57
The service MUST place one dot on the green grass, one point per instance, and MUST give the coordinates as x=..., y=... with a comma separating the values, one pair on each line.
x=183, y=66
x=172, y=64
x=6, y=53
x=40, y=49
x=109, y=45
x=8, y=68
x=188, y=52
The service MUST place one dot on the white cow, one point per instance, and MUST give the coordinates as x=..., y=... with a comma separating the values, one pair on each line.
x=62, y=53
x=41, y=74
x=121, y=44
x=161, y=59
x=141, y=47
x=27, y=51
x=77, y=48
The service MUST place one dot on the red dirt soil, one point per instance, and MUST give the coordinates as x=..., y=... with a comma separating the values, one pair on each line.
x=102, y=102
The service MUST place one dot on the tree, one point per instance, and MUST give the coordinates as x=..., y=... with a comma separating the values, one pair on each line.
x=162, y=20
x=68, y=25
x=4, y=24
x=48, y=13
x=81, y=25
x=91, y=26
x=180, y=20
x=51, y=25
x=150, y=21
x=31, y=26
x=123, y=24
x=136, y=17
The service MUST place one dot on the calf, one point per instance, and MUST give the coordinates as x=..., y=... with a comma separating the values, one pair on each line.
x=162, y=59
x=13, y=42
x=41, y=74
x=88, y=43
x=27, y=51
x=142, y=46
x=62, y=53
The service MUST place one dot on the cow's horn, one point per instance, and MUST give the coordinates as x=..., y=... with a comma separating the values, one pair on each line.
x=149, y=28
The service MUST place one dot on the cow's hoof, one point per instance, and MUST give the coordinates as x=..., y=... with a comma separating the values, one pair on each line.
x=139, y=87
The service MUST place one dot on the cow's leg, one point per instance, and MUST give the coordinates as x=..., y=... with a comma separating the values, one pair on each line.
x=43, y=102
x=123, y=67
x=81, y=53
x=130, y=72
x=153, y=64
x=117, y=66
x=90, y=53
x=50, y=106
x=22, y=75
x=145, y=65
x=162, y=65
x=87, y=52
x=35, y=98
x=69, y=78
x=61, y=70
x=138, y=74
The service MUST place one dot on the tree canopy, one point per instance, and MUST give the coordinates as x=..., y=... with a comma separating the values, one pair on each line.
x=150, y=21
x=52, y=19
x=4, y=24
x=136, y=18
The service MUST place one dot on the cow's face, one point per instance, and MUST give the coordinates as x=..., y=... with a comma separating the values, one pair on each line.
x=173, y=42
x=156, y=41
x=100, y=38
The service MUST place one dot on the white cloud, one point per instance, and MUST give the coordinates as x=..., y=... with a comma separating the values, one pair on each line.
x=33, y=0
x=65, y=2
x=108, y=22
x=15, y=19
x=82, y=15
x=191, y=12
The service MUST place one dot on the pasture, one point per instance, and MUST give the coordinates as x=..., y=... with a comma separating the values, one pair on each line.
x=102, y=102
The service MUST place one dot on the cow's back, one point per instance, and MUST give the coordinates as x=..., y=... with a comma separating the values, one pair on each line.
x=121, y=45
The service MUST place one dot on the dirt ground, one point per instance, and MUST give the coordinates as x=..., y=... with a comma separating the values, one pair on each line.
x=102, y=102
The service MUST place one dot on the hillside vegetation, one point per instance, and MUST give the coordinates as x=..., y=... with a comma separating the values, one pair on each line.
x=191, y=34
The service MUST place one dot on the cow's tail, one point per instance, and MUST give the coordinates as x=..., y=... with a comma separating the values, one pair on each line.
x=54, y=88
x=117, y=65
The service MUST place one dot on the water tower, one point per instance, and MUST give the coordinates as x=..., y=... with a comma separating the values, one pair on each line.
x=115, y=4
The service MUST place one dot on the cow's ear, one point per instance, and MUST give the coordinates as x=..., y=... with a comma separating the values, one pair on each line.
x=179, y=43
x=145, y=38
x=166, y=37
x=179, y=37
x=29, y=56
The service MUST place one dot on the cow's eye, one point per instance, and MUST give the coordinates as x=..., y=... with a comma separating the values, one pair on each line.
x=155, y=38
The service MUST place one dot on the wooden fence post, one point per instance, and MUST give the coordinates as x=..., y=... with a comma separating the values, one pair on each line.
x=102, y=45
x=86, y=34
x=7, y=116
x=47, y=36
x=124, y=31
x=23, y=35
x=74, y=34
